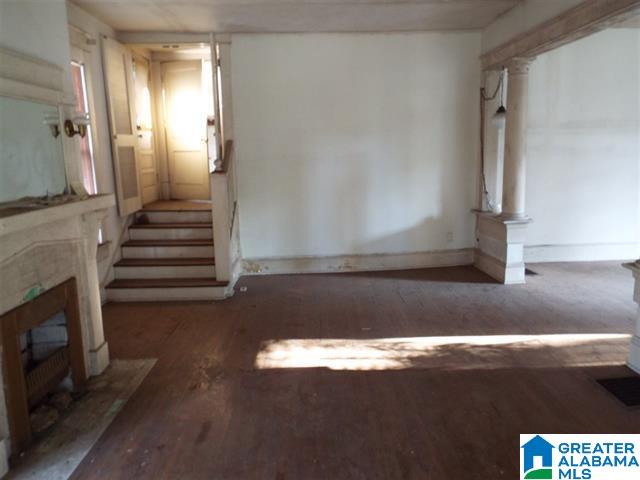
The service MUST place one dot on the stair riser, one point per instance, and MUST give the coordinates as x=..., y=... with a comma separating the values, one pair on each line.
x=176, y=271
x=167, y=252
x=170, y=233
x=166, y=294
x=177, y=217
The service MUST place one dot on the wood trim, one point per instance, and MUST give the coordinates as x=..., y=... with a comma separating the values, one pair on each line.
x=30, y=78
x=588, y=17
x=357, y=263
x=15, y=383
x=80, y=39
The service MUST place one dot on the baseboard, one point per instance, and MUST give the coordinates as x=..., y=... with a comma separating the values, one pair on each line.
x=581, y=253
x=357, y=263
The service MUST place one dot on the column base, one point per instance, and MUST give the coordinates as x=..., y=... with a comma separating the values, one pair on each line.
x=98, y=359
x=634, y=347
x=634, y=355
x=500, y=252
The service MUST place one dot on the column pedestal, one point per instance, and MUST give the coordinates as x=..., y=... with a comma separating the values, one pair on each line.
x=634, y=348
x=500, y=252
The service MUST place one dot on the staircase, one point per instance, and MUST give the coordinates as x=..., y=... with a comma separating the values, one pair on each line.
x=168, y=257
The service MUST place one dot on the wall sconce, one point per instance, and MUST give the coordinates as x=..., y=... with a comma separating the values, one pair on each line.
x=81, y=122
x=53, y=121
x=500, y=117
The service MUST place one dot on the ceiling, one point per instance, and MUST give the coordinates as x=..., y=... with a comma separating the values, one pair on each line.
x=295, y=15
x=631, y=22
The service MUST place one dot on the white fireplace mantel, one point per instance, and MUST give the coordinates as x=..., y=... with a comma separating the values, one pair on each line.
x=36, y=217
x=41, y=248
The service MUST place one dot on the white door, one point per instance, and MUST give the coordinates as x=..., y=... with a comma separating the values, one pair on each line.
x=144, y=126
x=124, y=139
x=186, y=129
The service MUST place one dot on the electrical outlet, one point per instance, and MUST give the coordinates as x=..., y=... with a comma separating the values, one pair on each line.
x=449, y=237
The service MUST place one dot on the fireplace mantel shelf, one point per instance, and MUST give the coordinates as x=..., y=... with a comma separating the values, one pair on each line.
x=32, y=218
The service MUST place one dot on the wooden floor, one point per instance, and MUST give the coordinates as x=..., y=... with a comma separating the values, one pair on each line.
x=177, y=205
x=229, y=399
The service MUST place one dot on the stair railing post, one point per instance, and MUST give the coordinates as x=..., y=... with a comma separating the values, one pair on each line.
x=221, y=224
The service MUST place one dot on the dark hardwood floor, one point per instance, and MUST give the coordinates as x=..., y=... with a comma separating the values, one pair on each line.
x=381, y=398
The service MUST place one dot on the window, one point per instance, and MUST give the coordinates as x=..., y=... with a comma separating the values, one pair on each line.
x=87, y=159
x=86, y=145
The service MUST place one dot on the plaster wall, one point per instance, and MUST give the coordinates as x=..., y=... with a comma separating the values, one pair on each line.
x=583, y=150
x=583, y=165
x=355, y=144
x=36, y=28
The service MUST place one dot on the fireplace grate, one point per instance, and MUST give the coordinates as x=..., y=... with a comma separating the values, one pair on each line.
x=49, y=373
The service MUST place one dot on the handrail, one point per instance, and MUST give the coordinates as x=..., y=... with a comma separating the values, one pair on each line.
x=225, y=165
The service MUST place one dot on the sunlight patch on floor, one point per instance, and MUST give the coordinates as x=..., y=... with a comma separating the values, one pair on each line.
x=454, y=352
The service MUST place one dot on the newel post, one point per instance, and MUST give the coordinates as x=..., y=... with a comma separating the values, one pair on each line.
x=221, y=224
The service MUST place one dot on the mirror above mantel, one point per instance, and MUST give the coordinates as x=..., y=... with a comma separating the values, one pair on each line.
x=31, y=156
x=32, y=101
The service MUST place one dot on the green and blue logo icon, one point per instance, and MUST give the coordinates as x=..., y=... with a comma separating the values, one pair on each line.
x=537, y=459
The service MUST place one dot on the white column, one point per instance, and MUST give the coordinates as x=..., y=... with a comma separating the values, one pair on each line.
x=501, y=238
x=514, y=176
x=634, y=348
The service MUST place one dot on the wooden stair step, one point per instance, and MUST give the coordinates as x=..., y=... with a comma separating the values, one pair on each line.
x=165, y=262
x=173, y=225
x=166, y=283
x=196, y=242
x=177, y=206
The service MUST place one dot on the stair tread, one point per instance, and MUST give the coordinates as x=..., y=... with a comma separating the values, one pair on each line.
x=165, y=262
x=166, y=283
x=177, y=206
x=173, y=225
x=196, y=242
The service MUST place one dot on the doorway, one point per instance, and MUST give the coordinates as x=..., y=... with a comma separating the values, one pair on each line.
x=187, y=109
x=161, y=110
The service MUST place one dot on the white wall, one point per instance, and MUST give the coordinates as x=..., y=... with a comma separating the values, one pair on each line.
x=355, y=143
x=36, y=28
x=583, y=152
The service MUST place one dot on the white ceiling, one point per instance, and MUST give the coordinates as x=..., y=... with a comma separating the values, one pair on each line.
x=632, y=22
x=295, y=15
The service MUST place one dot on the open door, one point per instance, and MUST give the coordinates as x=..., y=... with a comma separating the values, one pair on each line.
x=186, y=129
x=124, y=141
x=149, y=187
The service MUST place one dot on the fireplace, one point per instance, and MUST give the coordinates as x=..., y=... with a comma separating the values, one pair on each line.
x=29, y=380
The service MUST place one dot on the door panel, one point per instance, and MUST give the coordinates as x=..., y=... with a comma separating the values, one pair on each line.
x=128, y=170
x=119, y=85
x=186, y=123
x=148, y=170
